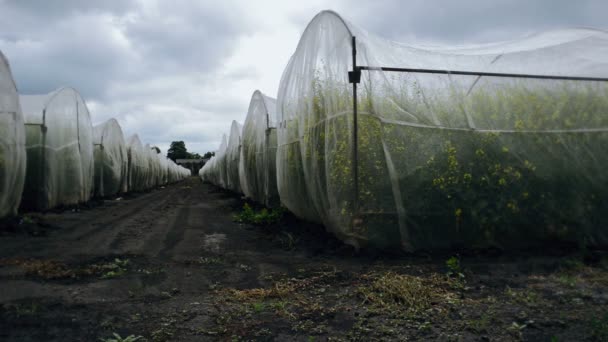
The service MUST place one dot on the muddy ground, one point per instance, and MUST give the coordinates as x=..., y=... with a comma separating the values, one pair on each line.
x=173, y=265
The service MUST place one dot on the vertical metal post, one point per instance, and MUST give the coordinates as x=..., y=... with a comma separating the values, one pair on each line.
x=356, y=79
x=43, y=175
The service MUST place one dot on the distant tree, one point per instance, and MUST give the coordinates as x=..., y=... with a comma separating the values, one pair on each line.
x=194, y=156
x=155, y=149
x=208, y=155
x=177, y=150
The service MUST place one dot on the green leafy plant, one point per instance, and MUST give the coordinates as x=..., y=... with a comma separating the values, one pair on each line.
x=258, y=307
x=114, y=269
x=454, y=268
x=262, y=217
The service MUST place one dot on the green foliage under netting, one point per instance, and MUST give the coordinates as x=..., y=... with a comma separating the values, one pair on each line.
x=531, y=173
x=263, y=216
x=260, y=165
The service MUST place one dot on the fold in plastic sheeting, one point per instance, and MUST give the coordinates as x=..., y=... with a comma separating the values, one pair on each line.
x=59, y=141
x=443, y=160
x=12, y=143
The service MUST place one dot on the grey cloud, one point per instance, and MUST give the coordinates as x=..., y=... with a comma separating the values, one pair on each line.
x=59, y=8
x=177, y=36
x=470, y=20
x=85, y=59
x=91, y=47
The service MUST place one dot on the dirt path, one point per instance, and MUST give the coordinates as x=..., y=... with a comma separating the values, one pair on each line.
x=172, y=265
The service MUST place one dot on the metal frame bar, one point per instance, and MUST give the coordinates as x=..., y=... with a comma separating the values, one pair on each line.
x=474, y=73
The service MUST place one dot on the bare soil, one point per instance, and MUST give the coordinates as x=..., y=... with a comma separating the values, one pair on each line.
x=173, y=265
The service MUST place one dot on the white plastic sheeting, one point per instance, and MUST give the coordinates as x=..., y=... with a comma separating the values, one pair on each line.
x=150, y=155
x=12, y=143
x=257, y=168
x=59, y=140
x=111, y=159
x=214, y=170
x=148, y=169
x=163, y=170
x=233, y=154
x=446, y=160
x=138, y=166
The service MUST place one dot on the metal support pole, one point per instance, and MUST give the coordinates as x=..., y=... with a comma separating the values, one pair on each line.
x=355, y=78
x=43, y=175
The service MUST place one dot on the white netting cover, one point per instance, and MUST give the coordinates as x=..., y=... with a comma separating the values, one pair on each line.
x=233, y=154
x=111, y=159
x=174, y=171
x=59, y=140
x=162, y=169
x=150, y=156
x=257, y=168
x=138, y=165
x=446, y=160
x=178, y=172
x=12, y=143
x=214, y=170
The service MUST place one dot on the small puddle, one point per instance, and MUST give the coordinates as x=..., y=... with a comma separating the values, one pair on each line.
x=212, y=242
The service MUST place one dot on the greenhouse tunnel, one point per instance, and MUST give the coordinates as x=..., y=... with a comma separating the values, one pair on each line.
x=443, y=159
x=161, y=162
x=257, y=164
x=151, y=160
x=215, y=169
x=59, y=142
x=233, y=154
x=138, y=166
x=111, y=160
x=12, y=143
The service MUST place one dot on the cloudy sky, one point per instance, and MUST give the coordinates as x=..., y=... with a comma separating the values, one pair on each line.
x=183, y=70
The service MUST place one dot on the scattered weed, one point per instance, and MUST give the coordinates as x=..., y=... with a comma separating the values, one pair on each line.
x=517, y=329
x=567, y=280
x=392, y=289
x=27, y=220
x=288, y=241
x=258, y=307
x=481, y=324
x=528, y=297
x=262, y=217
x=210, y=260
x=113, y=269
x=21, y=310
x=454, y=268
x=54, y=270
x=116, y=338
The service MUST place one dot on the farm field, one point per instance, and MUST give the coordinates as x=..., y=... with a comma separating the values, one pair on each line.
x=174, y=265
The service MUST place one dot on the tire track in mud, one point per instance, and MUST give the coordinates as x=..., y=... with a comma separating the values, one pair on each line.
x=136, y=208
x=140, y=226
x=175, y=234
x=102, y=229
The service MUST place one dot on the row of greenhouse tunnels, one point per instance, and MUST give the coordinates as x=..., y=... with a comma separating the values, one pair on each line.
x=52, y=156
x=387, y=145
